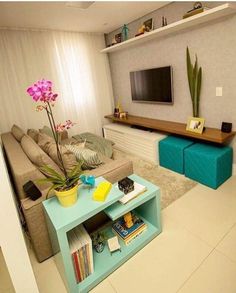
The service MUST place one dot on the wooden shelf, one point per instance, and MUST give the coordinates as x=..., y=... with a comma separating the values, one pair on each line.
x=206, y=16
x=209, y=134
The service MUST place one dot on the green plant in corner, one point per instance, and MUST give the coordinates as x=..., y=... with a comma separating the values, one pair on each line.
x=195, y=82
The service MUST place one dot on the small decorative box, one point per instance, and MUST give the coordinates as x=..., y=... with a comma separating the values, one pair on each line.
x=126, y=185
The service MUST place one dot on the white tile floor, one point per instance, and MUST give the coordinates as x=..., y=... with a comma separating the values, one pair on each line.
x=195, y=253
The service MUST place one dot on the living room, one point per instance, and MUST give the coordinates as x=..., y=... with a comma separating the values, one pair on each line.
x=74, y=62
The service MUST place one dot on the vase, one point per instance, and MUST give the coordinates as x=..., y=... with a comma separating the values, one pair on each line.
x=69, y=197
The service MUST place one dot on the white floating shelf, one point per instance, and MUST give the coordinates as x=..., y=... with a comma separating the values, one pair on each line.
x=208, y=15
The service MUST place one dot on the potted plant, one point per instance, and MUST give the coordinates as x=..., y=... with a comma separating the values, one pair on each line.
x=98, y=241
x=195, y=82
x=65, y=185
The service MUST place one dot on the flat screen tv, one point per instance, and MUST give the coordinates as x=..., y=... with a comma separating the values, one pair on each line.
x=152, y=85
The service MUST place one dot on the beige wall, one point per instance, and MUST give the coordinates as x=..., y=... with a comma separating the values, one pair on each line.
x=215, y=45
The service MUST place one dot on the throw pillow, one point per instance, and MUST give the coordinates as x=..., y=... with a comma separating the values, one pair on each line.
x=89, y=158
x=49, y=146
x=17, y=132
x=36, y=155
x=46, y=130
x=33, y=133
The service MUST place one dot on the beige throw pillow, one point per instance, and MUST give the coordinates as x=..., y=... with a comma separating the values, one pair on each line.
x=17, y=132
x=36, y=155
x=33, y=133
x=48, y=145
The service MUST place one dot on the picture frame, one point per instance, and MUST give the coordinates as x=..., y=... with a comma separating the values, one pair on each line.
x=195, y=124
x=148, y=25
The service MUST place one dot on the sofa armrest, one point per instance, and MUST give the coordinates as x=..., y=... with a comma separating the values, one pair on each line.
x=22, y=170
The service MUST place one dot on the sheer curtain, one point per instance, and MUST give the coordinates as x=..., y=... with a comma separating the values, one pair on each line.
x=80, y=74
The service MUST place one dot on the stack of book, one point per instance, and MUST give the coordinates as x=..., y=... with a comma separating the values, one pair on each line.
x=128, y=234
x=80, y=245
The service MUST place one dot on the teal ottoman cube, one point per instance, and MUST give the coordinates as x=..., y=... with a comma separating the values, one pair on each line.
x=171, y=153
x=208, y=164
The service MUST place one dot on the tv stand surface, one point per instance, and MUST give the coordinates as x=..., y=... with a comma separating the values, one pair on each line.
x=209, y=134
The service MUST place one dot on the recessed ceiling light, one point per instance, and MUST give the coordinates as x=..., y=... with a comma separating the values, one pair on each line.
x=80, y=4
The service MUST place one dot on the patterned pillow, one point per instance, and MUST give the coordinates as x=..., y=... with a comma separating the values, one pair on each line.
x=89, y=158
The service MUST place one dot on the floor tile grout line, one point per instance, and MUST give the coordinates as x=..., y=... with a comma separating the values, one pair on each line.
x=214, y=249
x=109, y=281
x=196, y=269
x=199, y=237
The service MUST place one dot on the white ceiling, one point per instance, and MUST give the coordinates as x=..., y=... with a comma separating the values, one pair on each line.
x=102, y=17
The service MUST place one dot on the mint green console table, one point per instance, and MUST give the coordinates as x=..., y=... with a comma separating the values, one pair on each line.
x=61, y=220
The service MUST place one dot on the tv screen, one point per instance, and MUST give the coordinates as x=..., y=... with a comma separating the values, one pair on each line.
x=152, y=85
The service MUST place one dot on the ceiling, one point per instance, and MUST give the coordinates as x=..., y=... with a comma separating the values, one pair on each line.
x=100, y=17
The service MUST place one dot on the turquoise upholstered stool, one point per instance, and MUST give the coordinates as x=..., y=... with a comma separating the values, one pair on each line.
x=171, y=152
x=208, y=164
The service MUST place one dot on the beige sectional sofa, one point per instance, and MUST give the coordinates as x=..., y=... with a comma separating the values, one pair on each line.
x=22, y=170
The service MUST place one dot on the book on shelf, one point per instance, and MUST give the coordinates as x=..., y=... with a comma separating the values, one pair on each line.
x=80, y=245
x=128, y=234
x=138, y=189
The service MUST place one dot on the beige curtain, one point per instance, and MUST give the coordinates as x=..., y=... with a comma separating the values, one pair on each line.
x=79, y=72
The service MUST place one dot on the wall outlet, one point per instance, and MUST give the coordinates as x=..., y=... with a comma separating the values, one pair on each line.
x=219, y=91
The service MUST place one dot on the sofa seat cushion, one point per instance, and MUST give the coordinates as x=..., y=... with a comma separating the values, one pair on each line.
x=48, y=145
x=36, y=155
x=17, y=132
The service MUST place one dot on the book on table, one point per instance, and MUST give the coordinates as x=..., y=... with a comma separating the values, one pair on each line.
x=138, y=189
x=80, y=245
x=128, y=234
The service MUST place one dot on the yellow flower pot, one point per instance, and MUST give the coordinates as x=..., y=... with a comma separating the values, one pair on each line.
x=69, y=197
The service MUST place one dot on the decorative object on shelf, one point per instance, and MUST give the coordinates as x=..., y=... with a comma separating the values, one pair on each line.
x=124, y=32
x=99, y=241
x=102, y=191
x=117, y=113
x=113, y=244
x=129, y=234
x=197, y=8
x=195, y=124
x=64, y=183
x=148, y=24
x=126, y=185
x=226, y=127
x=195, y=82
x=128, y=220
x=118, y=38
x=88, y=180
x=141, y=31
x=164, y=21
x=123, y=115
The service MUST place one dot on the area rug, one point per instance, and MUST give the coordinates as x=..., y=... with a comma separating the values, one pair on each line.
x=172, y=185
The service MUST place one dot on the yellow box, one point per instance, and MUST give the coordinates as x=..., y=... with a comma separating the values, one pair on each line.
x=102, y=191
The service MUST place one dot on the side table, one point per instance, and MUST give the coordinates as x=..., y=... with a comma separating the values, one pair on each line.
x=61, y=220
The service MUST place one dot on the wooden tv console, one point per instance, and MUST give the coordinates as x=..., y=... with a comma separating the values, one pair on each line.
x=209, y=134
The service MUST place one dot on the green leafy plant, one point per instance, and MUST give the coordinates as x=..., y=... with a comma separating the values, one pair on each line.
x=195, y=82
x=58, y=181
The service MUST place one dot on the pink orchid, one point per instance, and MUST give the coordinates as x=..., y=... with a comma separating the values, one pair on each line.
x=42, y=91
x=61, y=127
